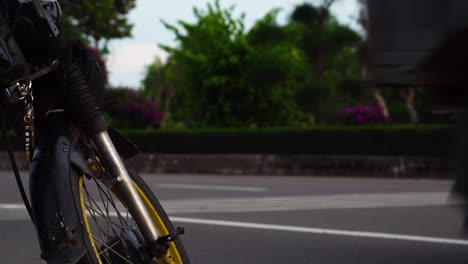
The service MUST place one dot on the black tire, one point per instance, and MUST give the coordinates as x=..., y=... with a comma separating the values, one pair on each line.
x=113, y=248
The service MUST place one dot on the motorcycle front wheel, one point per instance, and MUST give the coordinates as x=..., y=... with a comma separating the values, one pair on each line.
x=112, y=235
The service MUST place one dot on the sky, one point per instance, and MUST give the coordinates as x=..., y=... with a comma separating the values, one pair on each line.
x=129, y=57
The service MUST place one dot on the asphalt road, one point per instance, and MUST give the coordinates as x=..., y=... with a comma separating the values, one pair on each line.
x=241, y=219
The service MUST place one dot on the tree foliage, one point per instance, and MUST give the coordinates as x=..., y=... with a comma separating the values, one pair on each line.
x=228, y=80
x=98, y=19
x=154, y=78
x=271, y=75
x=332, y=53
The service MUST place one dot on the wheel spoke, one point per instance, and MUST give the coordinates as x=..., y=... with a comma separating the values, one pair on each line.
x=105, y=202
x=111, y=249
x=110, y=224
x=101, y=213
x=108, y=220
x=165, y=260
x=109, y=198
x=92, y=212
x=107, y=248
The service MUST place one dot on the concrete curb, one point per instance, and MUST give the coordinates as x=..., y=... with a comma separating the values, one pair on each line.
x=323, y=165
x=267, y=164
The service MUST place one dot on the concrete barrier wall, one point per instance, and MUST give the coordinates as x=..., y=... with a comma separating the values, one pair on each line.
x=317, y=165
x=307, y=165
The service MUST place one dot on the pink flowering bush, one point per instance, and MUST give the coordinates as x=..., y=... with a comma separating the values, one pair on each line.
x=364, y=115
x=143, y=109
x=127, y=109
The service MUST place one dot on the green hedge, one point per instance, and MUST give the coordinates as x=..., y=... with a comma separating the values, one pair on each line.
x=371, y=140
x=435, y=141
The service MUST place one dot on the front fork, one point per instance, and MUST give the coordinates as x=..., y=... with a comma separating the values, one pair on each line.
x=123, y=184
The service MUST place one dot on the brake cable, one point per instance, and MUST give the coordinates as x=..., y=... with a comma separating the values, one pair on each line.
x=15, y=166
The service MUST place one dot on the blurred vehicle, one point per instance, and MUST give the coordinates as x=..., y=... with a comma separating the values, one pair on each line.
x=423, y=43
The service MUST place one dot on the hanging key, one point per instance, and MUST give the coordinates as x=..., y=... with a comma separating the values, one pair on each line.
x=29, y=131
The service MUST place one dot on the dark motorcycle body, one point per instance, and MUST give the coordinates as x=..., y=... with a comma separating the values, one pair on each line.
x=51, y=87
x=55, y=213
x=62, y=152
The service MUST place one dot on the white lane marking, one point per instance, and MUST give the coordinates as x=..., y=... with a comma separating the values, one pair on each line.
x=322, y=231
x=289, y=203
x=18, y=212
x=314, y=202
x=13, y=211
x=12, y=206
x=212, y=187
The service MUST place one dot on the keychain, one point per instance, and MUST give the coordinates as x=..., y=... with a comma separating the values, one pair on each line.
x=29, y=142
x=25, y=92
x=21, y=90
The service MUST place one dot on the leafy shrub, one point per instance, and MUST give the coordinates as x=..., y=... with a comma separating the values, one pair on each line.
x=394, y=140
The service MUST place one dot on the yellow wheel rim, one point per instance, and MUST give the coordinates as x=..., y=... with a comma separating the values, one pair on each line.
x=85, y=219
x=172, y=256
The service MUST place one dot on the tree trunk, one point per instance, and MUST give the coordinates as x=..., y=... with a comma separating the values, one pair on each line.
x=381, y=102
x=408, y=95
x=378, y=97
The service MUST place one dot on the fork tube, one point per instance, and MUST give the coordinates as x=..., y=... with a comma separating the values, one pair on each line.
x=124, y=185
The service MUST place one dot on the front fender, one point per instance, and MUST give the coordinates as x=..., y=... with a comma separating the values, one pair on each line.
x=56, y=209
